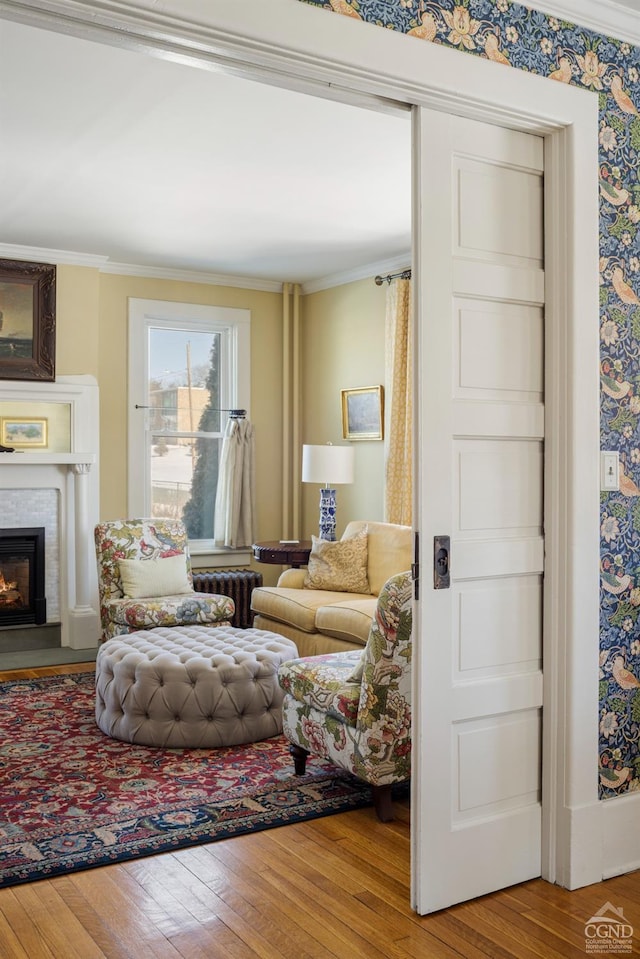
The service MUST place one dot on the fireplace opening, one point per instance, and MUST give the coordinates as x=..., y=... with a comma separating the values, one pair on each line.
x=22, y=599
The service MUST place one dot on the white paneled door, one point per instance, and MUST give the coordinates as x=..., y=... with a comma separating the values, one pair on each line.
x=479, y=287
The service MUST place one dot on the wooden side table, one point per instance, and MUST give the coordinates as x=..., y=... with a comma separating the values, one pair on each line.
x=283, y=554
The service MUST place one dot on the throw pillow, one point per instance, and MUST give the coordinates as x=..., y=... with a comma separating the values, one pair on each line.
x=165, y=576
x=339, y=566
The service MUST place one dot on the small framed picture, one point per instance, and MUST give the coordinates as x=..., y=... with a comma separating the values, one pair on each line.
x=363, y=413
x=24, y=432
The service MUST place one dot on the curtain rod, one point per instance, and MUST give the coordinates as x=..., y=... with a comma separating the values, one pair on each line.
x=403, y=275
x=233, y=414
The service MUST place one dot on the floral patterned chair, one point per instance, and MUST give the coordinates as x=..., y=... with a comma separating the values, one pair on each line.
x=145, y=580
x=354, y=708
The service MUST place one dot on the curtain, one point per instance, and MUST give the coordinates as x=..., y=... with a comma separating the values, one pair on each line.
x=236, y=496
x=399, y=390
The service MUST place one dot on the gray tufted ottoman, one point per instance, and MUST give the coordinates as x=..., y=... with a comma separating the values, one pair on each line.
x=191, y=686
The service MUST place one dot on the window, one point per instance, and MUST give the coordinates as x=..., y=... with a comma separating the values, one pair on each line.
x=188, y=365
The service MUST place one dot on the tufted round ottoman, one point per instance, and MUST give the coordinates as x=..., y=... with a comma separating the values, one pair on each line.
x=191, y=686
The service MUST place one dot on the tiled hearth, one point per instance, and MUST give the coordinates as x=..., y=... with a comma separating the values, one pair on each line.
x=59, y=490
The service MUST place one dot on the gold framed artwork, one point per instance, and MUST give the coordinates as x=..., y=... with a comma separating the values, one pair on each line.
x=27, y=320
x=363, y=413
x=24, y=432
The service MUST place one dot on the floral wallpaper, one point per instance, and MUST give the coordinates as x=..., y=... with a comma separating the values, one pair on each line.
x=517, y=36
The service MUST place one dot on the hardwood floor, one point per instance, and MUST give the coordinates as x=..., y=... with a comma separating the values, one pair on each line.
x=333, y=888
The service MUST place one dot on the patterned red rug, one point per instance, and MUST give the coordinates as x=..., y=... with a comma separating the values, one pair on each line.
x=71, y=798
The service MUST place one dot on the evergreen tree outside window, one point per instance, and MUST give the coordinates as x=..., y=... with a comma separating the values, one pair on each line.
x=198, y=512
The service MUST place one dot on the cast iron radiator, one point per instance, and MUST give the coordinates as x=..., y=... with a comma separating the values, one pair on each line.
x=236, y=583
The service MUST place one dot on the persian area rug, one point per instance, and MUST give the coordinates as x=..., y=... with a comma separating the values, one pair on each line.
x=71, y=798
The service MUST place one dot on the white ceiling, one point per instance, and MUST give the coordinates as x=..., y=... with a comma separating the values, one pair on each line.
x=113, y=153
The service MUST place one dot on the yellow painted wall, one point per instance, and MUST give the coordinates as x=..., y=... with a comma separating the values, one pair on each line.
x=77, y=319
x=342, y=348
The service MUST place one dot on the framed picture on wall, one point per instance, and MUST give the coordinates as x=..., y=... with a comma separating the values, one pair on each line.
x=24, y=432
x=363, y=413
x=27, y=320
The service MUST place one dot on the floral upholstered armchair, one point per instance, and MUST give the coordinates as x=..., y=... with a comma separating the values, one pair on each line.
x=145, y=580
x=354, y=708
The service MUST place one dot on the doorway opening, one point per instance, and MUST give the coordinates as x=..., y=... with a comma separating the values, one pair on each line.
x=568, y=118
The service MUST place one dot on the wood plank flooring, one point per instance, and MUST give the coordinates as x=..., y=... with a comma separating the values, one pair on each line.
x=333, y=888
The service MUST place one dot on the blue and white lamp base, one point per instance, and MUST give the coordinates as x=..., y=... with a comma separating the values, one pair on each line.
x=328, y=514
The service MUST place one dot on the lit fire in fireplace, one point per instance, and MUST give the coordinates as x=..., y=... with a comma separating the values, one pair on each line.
x=9, y=593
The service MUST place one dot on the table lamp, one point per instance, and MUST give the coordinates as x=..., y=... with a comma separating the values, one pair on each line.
x=330, y=465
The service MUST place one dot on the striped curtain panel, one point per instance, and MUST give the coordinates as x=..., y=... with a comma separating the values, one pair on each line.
x=399, y=401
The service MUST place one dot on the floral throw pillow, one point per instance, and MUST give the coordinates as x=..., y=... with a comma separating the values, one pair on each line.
x=340, y=566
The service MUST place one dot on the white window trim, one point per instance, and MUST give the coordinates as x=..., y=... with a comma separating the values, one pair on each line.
x=144, y=314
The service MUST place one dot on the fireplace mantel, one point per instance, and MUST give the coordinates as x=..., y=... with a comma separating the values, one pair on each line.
x=47, y=459
x=74, y=475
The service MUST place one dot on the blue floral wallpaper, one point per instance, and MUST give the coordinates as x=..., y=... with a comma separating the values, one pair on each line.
x=517, y=36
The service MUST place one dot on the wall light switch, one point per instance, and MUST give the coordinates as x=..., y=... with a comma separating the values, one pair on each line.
x=609, y=470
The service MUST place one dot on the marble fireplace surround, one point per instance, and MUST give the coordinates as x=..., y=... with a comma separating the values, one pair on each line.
x=73, y=477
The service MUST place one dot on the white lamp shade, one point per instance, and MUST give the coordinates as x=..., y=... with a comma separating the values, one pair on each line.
x=327, y=464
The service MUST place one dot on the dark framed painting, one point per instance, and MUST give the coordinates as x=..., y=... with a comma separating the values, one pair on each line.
x=363, y=413
x=27, y=320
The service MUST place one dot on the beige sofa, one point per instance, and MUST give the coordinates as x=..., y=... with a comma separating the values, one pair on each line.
x=324, y=621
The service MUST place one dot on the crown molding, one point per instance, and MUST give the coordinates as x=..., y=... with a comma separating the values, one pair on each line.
x=366, y=272
x=604, y=16
x=40, y=254
x=192, y=276
x=103, y=264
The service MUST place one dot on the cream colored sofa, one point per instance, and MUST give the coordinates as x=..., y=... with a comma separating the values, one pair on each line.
x=323, y=621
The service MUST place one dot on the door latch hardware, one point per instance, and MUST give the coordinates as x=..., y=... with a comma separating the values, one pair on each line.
x=415, y=566
x=441, y=556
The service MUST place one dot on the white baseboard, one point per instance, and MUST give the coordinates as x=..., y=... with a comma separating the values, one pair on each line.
x=605, y=841
x=83, y=628
x=582, y=861
x=621, y=835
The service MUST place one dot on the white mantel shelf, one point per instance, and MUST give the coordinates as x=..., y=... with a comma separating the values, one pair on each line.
x=46, y=459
